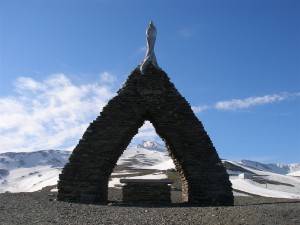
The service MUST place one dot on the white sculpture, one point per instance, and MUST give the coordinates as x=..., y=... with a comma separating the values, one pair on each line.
x=150, y=56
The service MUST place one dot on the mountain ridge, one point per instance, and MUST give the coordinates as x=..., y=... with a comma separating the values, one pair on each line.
x=281, y=168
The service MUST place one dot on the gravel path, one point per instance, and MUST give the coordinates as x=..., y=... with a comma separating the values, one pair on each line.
x=41, y=208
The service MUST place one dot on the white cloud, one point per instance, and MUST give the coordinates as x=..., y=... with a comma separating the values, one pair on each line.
x=52, y=113
x=107, y=77
x=199, y=109
x=235, y=104
x=26, y=83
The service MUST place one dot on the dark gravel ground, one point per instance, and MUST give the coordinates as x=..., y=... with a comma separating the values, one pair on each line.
x=41, y=208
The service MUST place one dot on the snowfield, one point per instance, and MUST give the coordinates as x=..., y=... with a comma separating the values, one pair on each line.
x=272, y=185
x=28, y=172
x=29, y=179
x=252, y=187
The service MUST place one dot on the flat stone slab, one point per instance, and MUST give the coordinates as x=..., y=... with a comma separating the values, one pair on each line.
x=161, y=181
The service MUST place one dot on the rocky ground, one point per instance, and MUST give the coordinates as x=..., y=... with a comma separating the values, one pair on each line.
x=42, y=208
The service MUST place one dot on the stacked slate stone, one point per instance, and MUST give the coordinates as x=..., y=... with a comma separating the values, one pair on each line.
x=152, y=97
x=146, y=191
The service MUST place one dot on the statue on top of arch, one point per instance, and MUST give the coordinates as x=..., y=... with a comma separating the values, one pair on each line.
x=150, y=56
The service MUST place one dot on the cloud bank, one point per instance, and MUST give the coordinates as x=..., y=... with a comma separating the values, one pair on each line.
x=50, y=113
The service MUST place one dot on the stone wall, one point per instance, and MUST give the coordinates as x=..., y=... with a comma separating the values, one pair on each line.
x=146, y=190
x=146, y=97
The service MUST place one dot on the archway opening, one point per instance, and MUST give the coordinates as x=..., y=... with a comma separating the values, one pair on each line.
x=146, y=157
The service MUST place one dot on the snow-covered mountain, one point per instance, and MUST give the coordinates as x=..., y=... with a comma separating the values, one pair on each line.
x=273, y=167
x=152, y=145
x=142, y=158
x=25, y=172
x=53, y=158
x=30, y=171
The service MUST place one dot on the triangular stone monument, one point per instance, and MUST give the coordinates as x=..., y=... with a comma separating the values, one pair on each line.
x=147, y=94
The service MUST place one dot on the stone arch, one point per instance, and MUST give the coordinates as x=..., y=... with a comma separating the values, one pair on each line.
x=146, y=97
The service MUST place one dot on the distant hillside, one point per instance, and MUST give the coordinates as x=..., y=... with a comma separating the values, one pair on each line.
x=280, y=168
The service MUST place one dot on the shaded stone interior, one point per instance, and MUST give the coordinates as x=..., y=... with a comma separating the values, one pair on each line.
x=146, y=97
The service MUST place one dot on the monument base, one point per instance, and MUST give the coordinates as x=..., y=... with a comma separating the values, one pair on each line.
x=146, y=190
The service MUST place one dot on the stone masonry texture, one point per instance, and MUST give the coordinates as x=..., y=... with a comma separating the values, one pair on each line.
x=146, y=97
x=144, y=191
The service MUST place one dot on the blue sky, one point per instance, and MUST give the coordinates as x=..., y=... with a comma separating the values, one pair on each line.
x=237, y=62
